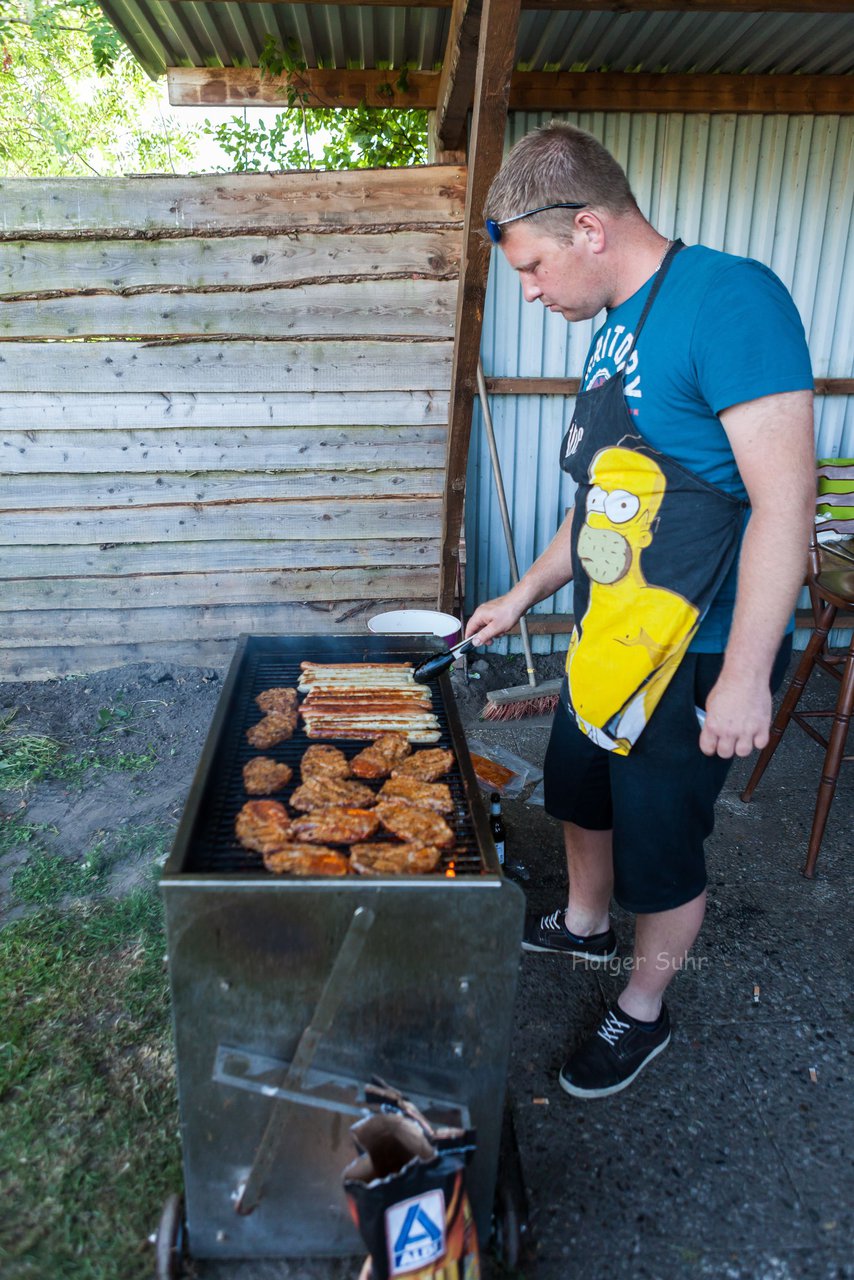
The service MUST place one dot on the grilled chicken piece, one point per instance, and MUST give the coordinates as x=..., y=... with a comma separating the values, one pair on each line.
x=424, y=795
x=394, y=859
x=335, y=826
x=331, y=793
x=427, y=766
x=277, y=726
x=378, y=760
x=262, y=776
x=306, y=860
x=263, y=825
x=278, y=699
x=324, y=762
x=415, y=826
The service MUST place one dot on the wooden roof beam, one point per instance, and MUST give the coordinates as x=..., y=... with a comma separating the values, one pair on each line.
x=456, y=82
x=496, y=54
x=530, y=91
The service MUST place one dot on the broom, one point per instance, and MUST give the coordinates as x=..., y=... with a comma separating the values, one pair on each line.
x=531, y=699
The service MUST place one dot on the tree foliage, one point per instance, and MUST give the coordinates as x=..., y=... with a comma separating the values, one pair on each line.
x=73, y=100
x=305, y=136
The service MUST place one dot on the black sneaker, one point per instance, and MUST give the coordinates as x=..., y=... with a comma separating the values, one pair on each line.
x=549, y=933
x=615, y=1054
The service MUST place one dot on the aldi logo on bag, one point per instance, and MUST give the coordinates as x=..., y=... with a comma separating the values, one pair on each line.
x=415, y=1232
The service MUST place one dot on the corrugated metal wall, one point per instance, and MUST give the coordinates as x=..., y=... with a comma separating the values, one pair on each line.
x=776, y=188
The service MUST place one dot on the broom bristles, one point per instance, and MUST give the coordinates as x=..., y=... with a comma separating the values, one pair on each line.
x=535, y=706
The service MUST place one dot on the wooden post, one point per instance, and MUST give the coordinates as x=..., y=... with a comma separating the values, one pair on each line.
x=495, y=59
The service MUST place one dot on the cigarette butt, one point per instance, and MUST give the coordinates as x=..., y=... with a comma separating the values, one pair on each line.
x=813, y=1075
x=756, y=994
x=540, y=1102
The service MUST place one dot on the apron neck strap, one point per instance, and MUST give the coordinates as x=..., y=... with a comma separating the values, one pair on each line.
x=666, y=263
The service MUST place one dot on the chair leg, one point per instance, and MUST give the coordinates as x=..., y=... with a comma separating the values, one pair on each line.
x=832, y=762
x=796, y=687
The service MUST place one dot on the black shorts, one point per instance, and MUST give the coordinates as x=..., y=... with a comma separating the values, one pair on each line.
x=659, y=799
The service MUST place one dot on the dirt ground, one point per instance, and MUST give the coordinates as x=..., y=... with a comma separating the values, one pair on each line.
x=146, y=723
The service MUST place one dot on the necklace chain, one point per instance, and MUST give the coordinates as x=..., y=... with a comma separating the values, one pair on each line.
x=667, y=249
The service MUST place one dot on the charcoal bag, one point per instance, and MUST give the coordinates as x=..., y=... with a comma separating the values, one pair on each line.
x=406, y=1191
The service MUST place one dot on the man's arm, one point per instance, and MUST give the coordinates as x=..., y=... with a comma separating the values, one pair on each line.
x=549, y=572
x=772, y=440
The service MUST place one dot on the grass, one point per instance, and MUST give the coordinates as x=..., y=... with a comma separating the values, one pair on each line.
x=29, y=758
x=47, y=878
x=86, y=1079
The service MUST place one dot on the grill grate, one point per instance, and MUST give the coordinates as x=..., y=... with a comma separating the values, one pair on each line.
x=268, y=662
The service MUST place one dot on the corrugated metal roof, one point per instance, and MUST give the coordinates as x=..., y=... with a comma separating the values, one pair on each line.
x=776, y=188
x=177, y=33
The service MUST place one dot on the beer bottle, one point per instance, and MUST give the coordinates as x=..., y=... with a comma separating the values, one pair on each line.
x=496, y=825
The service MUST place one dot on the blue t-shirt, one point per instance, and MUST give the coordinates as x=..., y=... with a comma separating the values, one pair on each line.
x=723, y=330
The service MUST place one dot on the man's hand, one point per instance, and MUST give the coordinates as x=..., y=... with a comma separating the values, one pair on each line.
x=738, y=718
x=494, y=618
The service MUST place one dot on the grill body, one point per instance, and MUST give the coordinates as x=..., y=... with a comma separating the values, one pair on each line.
x=427, y=1005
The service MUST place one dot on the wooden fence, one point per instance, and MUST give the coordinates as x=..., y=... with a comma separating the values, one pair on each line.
x=223, y=408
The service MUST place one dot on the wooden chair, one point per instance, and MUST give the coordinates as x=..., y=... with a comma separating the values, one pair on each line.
x=831, y=589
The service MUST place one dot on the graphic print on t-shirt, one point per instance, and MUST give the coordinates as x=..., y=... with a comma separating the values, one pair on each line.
x=610, y=348
x=632, y=634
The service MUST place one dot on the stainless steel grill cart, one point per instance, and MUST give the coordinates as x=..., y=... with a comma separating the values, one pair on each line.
x=288, y=994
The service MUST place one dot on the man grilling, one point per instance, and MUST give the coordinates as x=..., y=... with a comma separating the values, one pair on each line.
x=692, y=448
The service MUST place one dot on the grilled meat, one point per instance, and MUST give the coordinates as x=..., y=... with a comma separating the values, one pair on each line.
x=278, y=699
x=425, y=795
x=330, y=793
x=394, y=859
x=263, y=825
x=335, y=826
x=324, y=762
x=262, y=776
x=378, y=760
x=306, y=860
x=415, y=826
x=277, y=726
x=427, y=766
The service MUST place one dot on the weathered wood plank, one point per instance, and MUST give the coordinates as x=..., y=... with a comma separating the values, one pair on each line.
x=73, y=492
x=496, y=54
x=33, y=266
x=22, y=561
x=197, y=449
x=17, y=665
x=543, y=90
x=354, y=309
x=661, y=92
x=325, y=87
x=229, y=366
x=249, y=587
x=326, y=519
x=254, y=202
x=569, y=386
x=38, y=627
x=455, y=90
x=173, y=411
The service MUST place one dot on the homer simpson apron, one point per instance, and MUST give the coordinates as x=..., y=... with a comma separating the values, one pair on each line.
x=651, y=546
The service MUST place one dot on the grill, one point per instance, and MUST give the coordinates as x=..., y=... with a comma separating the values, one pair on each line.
x=288, y=994
x=265, y=662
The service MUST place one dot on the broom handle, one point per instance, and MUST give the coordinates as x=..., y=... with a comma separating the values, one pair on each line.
x=505, y=514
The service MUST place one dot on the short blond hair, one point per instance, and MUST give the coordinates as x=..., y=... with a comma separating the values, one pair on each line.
x=558, y=162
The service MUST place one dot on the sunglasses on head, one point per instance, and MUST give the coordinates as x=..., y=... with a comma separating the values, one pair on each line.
x=493, y=228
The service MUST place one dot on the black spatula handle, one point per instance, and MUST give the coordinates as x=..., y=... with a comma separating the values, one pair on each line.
x=432, y=668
